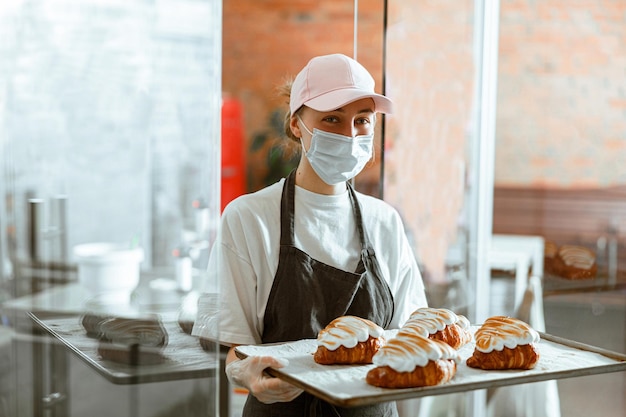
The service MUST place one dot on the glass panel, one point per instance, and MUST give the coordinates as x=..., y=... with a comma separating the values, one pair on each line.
x=432, y=65
x=559, y=171
x=110, y=127
x=427, y=142
x=369, y=40
x=557, y=176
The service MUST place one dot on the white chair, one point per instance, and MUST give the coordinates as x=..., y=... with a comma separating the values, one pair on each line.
x=519, y=253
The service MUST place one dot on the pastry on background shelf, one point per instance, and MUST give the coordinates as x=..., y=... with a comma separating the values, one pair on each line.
x=578, y=262
x=569, y=261
x=410, y=360
x=505, y=343
x=348, y=340
x=441, y=324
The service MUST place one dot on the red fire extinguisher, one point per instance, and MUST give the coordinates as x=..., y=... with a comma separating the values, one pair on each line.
x=233, y=151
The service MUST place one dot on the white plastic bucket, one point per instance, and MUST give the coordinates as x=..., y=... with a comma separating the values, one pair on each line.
x=108, y=267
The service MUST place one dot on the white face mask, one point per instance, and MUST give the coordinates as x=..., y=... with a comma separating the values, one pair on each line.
x=337, y=158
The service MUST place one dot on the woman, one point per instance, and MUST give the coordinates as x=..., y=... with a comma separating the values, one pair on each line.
x=285, y=252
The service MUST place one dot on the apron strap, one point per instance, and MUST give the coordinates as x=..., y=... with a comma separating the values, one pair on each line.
x=368, y=258
x=287, y=206
x=366, y=248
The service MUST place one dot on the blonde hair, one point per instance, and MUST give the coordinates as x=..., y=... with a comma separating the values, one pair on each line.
x=285, y=91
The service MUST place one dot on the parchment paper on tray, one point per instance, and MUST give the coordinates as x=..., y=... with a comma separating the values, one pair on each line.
x=345, y=386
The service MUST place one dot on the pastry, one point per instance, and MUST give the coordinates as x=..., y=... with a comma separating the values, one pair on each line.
x=505, y=343
x=348, y=340
x=569, y=261
x=92, y=323
x=410, y=360
x=441, y=324
x=133, y=341
x=577, y=262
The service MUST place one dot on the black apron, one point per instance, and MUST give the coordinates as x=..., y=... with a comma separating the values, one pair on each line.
x=307, y=295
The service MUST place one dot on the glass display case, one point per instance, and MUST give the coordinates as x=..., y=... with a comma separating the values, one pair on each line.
x=110, y=154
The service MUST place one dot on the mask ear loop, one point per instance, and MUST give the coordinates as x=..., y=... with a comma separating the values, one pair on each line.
x=303, y=125
x=307, y=130
x=303, y=148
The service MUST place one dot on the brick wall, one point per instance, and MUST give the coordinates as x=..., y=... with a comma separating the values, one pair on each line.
x=562, y=94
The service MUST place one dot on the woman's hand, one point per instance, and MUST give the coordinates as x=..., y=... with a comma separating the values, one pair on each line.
x=249, y=373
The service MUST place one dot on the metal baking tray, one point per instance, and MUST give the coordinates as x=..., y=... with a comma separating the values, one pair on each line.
x=345, y=386
x=184, y=357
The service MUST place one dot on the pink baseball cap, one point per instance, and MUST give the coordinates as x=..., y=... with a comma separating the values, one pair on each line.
x=329, y=82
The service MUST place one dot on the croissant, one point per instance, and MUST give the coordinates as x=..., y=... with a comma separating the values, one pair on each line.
x=453, y=335
x=362, y=353
x=434, y=373
x=441, y=324
x=505, y=343
x=348, y=340
x=570, y=261
x=520, y=357
x=411, y=360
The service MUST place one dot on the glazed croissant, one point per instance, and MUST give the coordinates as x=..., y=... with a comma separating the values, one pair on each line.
x=570, y=261
x=441, y=324
x=361, y=353
x=348, y=340
x=520, y=357
x=411, y=360
x=505, y=343
x=434, y=373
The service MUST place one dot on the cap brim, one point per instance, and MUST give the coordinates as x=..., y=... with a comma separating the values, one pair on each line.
x=339, y=98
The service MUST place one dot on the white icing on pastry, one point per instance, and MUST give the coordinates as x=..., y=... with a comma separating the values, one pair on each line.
x=577, y=256
x=436, y=319
x=347, y=331
x=407, y=351
x=499, y=332
x=414, y=327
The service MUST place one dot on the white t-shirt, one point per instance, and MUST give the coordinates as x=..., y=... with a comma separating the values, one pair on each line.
x=244, y=258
